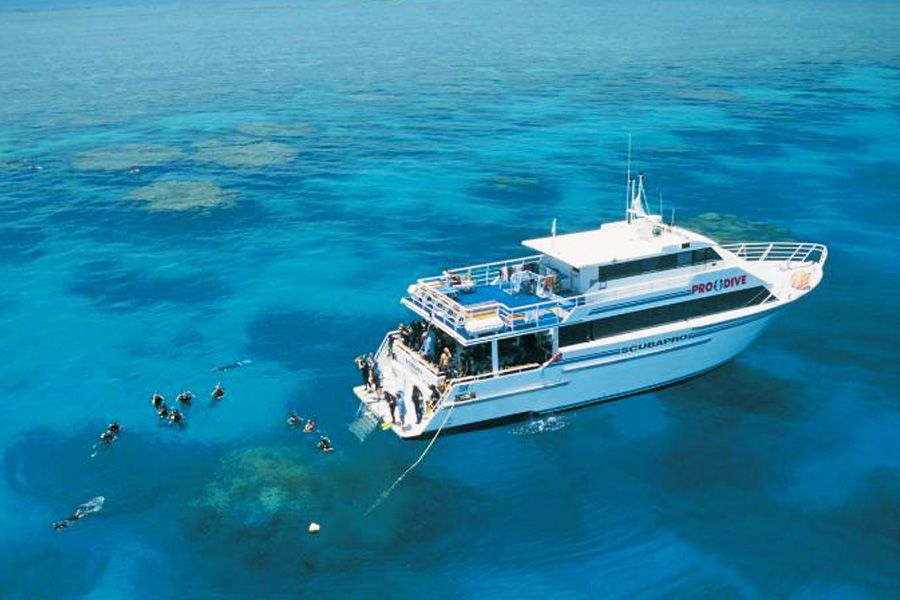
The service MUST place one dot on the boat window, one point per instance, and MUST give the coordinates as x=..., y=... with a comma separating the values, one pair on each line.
x=525, y=349
x=641, y=319
x=657, y=263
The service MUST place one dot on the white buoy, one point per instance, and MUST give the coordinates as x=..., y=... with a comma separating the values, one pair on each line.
x=314, y=527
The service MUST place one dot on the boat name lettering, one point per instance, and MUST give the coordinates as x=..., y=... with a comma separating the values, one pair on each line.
x=719, y=284
x=653, y=343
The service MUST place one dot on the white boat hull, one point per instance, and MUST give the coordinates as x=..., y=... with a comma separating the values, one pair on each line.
x=598, y=372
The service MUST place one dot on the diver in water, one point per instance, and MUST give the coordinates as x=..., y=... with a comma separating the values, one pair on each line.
x=90, y=507
x=325, y=444
x=310, y=426
x=158, y=401
x=176, y=417
x=294, y=420
x=111, y=434
x=185, y=397
x=218, y=392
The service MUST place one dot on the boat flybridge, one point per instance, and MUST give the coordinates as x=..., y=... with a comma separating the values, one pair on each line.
x=588, y=317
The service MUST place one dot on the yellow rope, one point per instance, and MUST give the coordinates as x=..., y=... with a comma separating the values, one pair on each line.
x=384, y=495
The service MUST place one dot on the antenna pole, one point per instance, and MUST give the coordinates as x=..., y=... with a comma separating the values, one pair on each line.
x=628, y=182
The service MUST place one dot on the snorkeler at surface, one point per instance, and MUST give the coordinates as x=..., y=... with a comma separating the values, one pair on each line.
x=111, y=434
x=325, y=444
x=176, y=417
x=185, y=397
x=90, y=507
x=294, y=420
x=218, y=392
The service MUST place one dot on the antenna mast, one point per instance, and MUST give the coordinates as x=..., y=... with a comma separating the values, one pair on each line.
x=628, y=183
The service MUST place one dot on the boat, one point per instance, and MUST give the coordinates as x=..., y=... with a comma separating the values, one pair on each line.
x=587, y=317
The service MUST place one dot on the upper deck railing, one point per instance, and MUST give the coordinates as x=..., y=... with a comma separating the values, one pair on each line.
x=483, y=274
x=429, y=295
x=790, y=253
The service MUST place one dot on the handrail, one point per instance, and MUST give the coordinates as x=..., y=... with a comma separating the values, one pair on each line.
x=491, y=374
x=529, y=313
x=787, y=252
x=482, y=273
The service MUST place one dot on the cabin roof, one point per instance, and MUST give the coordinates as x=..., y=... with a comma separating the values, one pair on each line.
x=613, y=242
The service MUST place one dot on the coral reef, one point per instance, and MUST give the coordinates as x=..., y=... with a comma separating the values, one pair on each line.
x=164, y=196
x=244, y=153
x=725, y=228
x=267, y=129
x=123, y=158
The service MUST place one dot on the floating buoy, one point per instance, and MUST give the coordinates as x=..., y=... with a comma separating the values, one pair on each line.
x=314, y=527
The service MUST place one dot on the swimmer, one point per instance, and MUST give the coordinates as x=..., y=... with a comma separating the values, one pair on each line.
x=176, y=417
x=294, y=420
x=163, y=412
x=111, y=434
x=88, y=508
x=185, y=397
x=158, y=401
x=310, y=426
x=60, y=525
x=218, y=392
x=234, y=365
x=107, y=438
x=325, y=444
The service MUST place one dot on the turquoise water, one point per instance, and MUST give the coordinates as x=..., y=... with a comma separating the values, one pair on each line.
x=336, y=150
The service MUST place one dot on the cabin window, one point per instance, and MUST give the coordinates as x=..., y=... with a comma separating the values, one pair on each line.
x=653, y=264
x=641, y=319
x=531, y=348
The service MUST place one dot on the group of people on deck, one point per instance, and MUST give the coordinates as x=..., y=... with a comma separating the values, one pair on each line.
x=370, y=373
x=425, y=339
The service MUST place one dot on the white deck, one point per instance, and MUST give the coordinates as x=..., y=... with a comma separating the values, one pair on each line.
x=618, y=241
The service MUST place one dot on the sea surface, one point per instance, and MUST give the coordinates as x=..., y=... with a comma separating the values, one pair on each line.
x=185, y=185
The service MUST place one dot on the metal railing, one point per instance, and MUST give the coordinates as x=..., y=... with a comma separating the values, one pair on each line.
x=786, y=252
x=481, y=274
x=545, y=313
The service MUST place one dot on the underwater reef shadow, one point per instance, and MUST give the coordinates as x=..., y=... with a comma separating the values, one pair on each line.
x=249, y=521
x=115, y=287
x=55, y=468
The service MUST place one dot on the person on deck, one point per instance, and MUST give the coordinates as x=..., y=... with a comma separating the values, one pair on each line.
x=427, y=351
x=417, y=403
x=434, y=399
x=392, y=404
x=401, y=404
x=363, y=370
x=446, y=359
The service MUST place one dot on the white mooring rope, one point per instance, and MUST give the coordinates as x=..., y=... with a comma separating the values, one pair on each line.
x=384, y=495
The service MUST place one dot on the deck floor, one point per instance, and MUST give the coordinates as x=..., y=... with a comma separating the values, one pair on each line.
x=493, y=293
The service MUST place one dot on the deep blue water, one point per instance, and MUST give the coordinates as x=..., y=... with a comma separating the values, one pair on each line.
x=340, y=149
